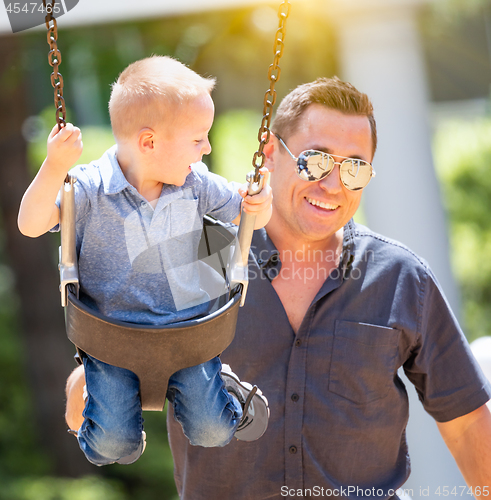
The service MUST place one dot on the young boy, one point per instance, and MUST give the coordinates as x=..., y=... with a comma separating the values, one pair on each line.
x=139, y=213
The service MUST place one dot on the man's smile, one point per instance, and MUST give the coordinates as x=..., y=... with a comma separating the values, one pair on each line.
x=321, y=204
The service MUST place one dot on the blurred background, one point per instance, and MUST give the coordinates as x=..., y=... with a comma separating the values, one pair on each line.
x=425, y=63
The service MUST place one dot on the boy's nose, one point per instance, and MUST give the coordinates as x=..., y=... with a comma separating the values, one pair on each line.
x=207, y=147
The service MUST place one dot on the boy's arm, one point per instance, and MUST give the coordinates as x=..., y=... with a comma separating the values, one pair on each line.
x=258, y=204
x=38, y=211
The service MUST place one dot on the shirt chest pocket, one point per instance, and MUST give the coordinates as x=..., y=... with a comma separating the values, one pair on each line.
x=363, y=363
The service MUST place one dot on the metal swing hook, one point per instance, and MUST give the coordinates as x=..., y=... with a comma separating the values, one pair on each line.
x=68, y=265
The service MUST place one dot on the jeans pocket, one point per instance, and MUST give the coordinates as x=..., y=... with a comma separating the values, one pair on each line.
x=363, y=361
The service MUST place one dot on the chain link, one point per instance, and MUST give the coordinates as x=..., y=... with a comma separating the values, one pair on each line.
x=274, y=73
x=54, y=59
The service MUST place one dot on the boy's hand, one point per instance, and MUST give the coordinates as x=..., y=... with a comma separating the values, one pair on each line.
x=64, y=147
x=258, y=204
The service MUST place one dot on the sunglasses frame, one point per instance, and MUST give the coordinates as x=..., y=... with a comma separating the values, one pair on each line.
x=334, y=163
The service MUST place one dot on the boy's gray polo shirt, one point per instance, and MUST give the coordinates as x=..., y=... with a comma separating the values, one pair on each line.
x=139, y=264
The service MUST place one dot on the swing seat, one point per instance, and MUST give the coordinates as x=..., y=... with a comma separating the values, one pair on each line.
x=155, y=352
x=152, y=353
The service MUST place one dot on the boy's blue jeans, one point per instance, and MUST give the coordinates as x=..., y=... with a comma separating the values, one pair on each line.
x=113, y=425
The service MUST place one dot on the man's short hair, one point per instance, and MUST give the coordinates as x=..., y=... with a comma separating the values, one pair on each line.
x=149, y=91
x=330, y=92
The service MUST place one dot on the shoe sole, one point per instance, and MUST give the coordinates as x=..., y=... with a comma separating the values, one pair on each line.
x=255, y=428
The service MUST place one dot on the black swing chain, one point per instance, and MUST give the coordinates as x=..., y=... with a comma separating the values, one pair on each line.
x=270, y=96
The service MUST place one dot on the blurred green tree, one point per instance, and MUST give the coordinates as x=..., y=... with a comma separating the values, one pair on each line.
x=462, y=151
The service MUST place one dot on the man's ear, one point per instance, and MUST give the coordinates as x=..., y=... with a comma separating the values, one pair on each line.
x=146, y=139
x=268, y=150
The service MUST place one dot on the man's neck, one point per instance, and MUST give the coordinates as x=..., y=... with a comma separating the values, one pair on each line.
x=294, y=248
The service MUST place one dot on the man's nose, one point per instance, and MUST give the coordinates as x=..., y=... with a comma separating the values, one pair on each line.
x=332, y=182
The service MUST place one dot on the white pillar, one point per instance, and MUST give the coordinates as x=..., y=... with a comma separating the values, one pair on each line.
x=381, y=55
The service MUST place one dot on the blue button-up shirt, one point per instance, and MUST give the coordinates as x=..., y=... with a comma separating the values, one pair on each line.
x=338, y=407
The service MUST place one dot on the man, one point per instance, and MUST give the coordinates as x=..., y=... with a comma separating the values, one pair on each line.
x=332, y=311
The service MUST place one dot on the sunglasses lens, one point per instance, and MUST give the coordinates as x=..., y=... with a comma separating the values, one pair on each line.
x=355, y=174
x=314, y=165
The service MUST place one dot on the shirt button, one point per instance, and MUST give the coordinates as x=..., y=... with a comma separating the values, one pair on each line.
x=292, y=450
x=260, y=261
x=298, y=343
x=295, y=397
x=142, y=203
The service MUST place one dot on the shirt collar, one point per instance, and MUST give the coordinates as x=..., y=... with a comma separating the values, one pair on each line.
x=267, y=256
x=348, y=255
x=114, y=180
x=112, y=176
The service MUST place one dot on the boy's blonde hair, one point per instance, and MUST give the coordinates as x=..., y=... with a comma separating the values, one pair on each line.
x=148, y=92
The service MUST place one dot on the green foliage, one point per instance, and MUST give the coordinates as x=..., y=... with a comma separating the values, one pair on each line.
x=52, y=488
x=463, y=162
x=96, y=140
x=450, y=11
x=234, y=141
x=17, y=437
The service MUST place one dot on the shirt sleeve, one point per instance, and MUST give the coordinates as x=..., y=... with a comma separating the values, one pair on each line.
x=218, y=197
x=82, y=189
x=447, y=377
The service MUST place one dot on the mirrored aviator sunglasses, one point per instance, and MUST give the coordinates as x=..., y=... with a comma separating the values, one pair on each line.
x=313, y=166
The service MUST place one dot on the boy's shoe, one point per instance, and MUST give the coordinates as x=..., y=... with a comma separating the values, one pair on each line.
x=255, y=407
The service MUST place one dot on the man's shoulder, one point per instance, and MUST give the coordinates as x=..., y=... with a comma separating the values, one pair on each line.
x=383, y=248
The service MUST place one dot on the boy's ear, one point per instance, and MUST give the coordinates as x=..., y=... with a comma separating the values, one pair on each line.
x=146, y=139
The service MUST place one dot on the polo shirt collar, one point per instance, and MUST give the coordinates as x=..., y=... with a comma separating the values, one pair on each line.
x=114, y=181
x=112, y=176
